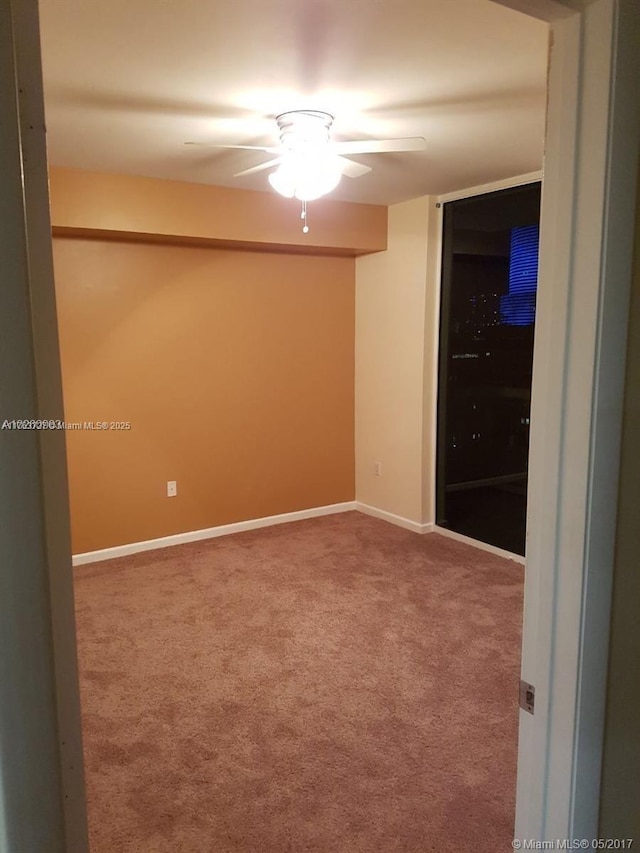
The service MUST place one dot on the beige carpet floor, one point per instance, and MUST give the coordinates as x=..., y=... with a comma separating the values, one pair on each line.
x=337, y=684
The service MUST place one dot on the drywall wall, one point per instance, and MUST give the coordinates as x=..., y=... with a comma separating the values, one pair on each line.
x=620, y=792
x=234, y=370
x=391, y=306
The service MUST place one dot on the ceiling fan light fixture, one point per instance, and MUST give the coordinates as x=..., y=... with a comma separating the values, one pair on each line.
x=309, y=164
x=306, y=177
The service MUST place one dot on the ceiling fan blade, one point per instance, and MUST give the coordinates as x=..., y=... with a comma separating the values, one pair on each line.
x=268, y=165
x=380, y=146
x=351, y=169
x=266, y=149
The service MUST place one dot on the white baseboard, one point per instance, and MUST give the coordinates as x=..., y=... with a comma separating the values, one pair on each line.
x=392, y=518
x=284, y=518
x=481, y=546
x=210, y=532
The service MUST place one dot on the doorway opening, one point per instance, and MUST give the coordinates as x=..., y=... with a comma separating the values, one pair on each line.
x=559, y=793
x=487, y=323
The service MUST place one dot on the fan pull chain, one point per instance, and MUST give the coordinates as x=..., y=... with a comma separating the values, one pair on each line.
x=303, y=216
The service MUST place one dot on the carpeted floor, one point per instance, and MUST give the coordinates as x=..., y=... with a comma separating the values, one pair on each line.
x=335, y=685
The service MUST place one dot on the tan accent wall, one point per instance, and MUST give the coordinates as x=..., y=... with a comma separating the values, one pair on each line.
x=234, y=369
x=391, y=360
x=620, y=792
x=132, y=207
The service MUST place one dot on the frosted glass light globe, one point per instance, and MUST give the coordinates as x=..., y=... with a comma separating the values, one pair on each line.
x=318, y=178
x=283, y=181
x=306, y=176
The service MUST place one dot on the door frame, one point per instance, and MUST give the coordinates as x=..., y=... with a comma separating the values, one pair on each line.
x=42, y=794
x=592, y=140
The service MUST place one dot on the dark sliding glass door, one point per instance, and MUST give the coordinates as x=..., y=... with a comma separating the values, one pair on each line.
x=489, y=279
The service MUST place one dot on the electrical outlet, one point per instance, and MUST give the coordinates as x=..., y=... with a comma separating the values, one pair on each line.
x=377, y=469
x=172, y=488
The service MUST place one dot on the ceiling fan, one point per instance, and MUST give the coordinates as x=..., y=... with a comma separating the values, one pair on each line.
x=309, y=164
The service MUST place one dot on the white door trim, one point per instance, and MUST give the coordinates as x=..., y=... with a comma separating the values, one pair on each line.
x=42, y=798
x=593, y=135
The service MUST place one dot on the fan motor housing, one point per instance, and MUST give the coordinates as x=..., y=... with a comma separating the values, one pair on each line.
x=300, y=129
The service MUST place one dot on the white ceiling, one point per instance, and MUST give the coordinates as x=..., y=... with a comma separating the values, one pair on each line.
x=127, y=82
